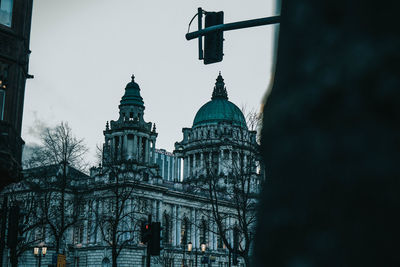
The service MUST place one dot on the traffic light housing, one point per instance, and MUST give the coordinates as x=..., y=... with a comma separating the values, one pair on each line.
x=213, y=42
x=155, y=239
x=145, y=233
x=13, y=227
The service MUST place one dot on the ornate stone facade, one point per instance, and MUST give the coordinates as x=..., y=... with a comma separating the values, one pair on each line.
x=127, y=185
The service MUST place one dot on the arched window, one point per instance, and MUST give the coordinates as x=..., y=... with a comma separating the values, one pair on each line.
x=203, y=232
x=185, y=231
x=167, y=239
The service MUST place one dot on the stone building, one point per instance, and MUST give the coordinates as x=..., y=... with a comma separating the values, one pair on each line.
x=120, y=194
x=169, y=165
x=15, y=28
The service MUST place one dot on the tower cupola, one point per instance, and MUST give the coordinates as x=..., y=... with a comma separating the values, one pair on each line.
x=131, y=105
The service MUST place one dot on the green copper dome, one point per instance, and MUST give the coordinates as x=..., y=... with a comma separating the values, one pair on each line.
x=219, y=109
x=132, y=94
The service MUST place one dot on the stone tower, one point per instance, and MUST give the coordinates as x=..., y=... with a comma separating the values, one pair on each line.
x=130, y=138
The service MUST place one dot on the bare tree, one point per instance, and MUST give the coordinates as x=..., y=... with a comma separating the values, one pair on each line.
x=119, y=216
x=57, y=161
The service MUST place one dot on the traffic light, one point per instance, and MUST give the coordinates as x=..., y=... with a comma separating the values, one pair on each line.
x=21, y=226
x=213, y=42
x=13, y=225
x=145, y=233
x=155, y=239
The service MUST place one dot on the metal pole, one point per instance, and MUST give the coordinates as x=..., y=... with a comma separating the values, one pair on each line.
x=4, y=214
x=148, y=245
x=196, y=256
x=199, y=19
x=184, y=260
x=40, y=259
x=234, y=26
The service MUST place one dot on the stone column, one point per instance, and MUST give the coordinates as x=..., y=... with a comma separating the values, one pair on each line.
x=146, y=152
x=220, y=157
x=192, y=228
x=135, y=152
x=178, y=225
x=97, y=232
x=189, y=168
x=197, y=229
x=210, y=163
x=85, y=224
x=93, y=227
x=154, y=210
x=140, y=149
x=125, y=147
x=185, y=166
x=160, y=211
x=153, y=157
x=120, y=147
x=202, y=162
x=173, y=218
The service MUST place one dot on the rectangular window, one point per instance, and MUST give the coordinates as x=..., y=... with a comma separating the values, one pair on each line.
x=6, y=7
x=2, y=103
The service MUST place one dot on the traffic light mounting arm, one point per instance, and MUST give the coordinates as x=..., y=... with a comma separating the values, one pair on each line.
x=213, y=32
x=233, y=26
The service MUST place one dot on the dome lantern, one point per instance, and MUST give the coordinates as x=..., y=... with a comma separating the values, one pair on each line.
x=132, y=94
x=220, y=89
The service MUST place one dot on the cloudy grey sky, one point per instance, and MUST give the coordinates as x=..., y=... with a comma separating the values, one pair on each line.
x=84, y=52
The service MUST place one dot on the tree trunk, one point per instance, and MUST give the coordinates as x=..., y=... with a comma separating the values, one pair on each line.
x=114, y=256
x=57, y=244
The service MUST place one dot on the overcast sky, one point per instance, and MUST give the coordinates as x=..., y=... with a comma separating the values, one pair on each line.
x=85, y=51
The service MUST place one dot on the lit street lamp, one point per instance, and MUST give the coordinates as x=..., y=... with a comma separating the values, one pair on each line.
x=203, y=247
x=40, y=252
x=190, y=248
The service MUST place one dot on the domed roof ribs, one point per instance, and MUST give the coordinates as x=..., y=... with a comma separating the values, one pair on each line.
x=219, y=89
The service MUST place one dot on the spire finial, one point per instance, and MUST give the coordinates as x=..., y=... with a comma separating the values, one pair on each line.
x=133, y=77
x=220, y=89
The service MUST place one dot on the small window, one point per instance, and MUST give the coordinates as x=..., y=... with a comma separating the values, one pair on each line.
x=2, y=103
x=6, y=7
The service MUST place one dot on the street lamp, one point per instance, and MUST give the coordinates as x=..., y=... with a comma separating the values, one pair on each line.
x=190, y=248
x=203, y=250
x=40, y=251
x=203, y=247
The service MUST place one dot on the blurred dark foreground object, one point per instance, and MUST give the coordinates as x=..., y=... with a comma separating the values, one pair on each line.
x=331, y=138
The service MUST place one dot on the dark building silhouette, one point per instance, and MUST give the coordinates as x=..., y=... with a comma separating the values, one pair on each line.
x=331, y=138
x=15, y=27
